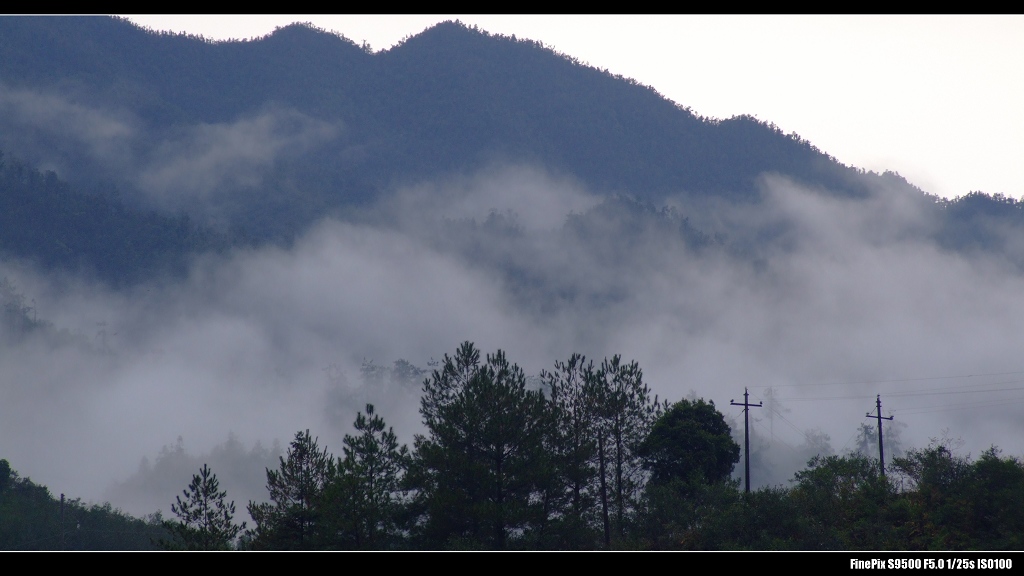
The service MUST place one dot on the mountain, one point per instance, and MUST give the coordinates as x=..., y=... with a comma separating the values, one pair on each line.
x=449, y=100
x=262, y=138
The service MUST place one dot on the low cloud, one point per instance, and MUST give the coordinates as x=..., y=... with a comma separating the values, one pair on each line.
x=204, y=168
x=57, y=133
x=842, y=300
x=219, y=159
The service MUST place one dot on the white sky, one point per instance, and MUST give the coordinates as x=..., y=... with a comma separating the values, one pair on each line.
x=936, y=98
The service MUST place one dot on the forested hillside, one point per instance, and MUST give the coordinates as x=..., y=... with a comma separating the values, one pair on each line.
x=33, y=519
x=267, y=136
x=45, y=221
x=341, y=126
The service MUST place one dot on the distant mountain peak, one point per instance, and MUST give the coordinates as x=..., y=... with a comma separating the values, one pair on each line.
x=308, y=34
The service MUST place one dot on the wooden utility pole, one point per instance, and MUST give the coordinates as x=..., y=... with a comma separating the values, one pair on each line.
x=746, y=435
x=62, y=533
x=878, y=416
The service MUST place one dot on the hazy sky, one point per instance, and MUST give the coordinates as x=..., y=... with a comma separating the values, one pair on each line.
x=935, y=98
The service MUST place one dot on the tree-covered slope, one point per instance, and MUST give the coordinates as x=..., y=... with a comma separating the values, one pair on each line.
x=270, y=135
x=31, y=518
x=448, y=100
x=45, y=221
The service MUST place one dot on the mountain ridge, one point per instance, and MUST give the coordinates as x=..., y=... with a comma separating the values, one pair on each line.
x=445, y=98
x=272, y=134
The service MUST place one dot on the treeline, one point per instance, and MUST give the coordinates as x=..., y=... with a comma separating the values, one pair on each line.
x=33, y=519
x=590, y=460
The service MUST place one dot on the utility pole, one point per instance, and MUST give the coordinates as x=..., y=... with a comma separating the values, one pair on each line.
x=878, y=416
x=62, y=537
x=746, y=434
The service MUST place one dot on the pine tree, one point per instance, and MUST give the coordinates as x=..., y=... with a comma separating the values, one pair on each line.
x=205, y=521
x=476, y=469
x=624, y=413
x=571, y=444
x=364, y=497
x=290, y=521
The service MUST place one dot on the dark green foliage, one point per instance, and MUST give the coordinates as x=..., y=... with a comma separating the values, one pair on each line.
x=292, y=519
x=623, y=412
x=690, y=442
x=476, y=469
x=690, y=455
x=30, y=519
x=363, y=502
x=761, y=520
x=571, y=488
x=680, y=515
x=205, y=520
x=844, y=501
x=946, y=497
x=506, y=467
x=998, y=501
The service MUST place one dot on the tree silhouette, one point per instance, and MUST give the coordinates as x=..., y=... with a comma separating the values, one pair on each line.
x=363, y=498
x=691, y=442
x=290, y=520
x=205, y=520
x=476, y=468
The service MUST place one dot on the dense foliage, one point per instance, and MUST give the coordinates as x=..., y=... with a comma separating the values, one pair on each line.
x=32, y=519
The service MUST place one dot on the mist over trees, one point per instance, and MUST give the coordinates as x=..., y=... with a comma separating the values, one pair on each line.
x=44, y=220
x=207, y=240
x=507, y=466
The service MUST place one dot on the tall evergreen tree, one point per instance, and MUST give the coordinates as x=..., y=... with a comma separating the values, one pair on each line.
x=205, y=520
x=363, y=500
x=290, y=521
x=476, y=468
x=624, y=412
x=572, y=490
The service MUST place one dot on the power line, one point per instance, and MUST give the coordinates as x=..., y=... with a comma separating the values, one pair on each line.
x=802, y=433
x=919, y=379
x=923, y=392
x=943, y=391
x=946, y=407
